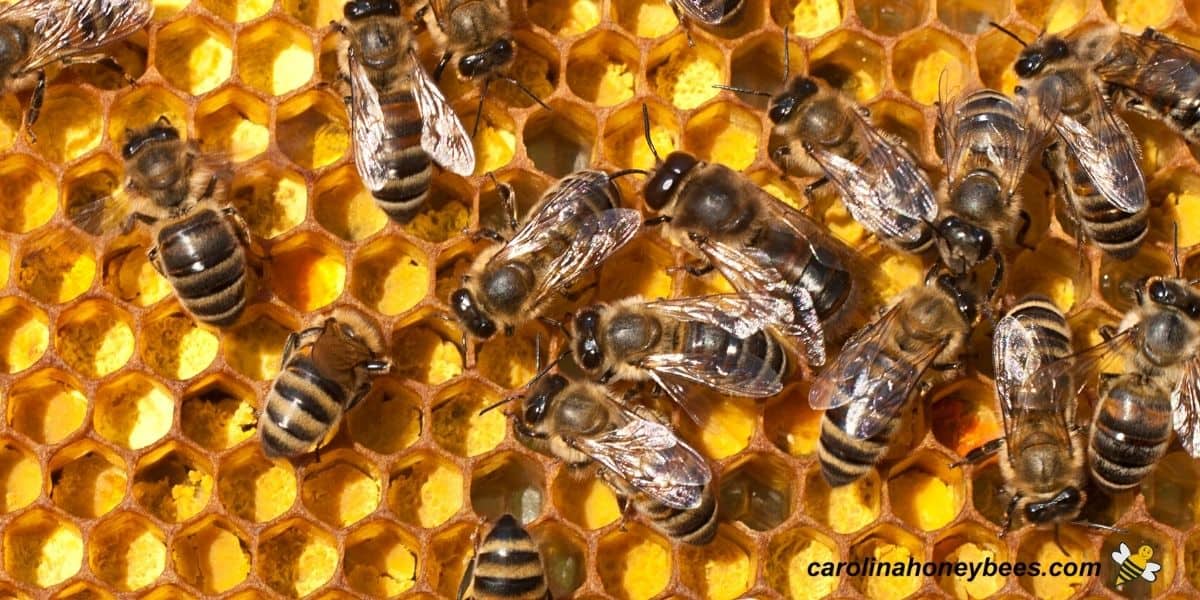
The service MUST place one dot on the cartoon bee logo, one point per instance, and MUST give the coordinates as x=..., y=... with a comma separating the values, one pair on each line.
x=1132, y=566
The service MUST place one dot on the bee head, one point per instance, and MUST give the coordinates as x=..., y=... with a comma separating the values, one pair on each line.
x=1174, y=293
x=468, y=313
x=962, y=244
x=1062, y=507
x=662, y=187
x=536, y=406
x=485, y=61
x=783, y=105
x=587, y=342
x=135, y=141
x=1035, y=57
x=361, y=9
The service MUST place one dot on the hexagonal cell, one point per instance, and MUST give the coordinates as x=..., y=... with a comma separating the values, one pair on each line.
x=94, y=337
x=70, y=123
x=20, y=477
x=535, y=65
x=1069, y=547
x=758, y=64
x=685, y=75
x=457, y=424
x=449, y=553
x=886, y=544
x=31, y=194
x=428, y=350
x=128, y=274
x=174, y=346
x=964, y=416
x=564, y=556
x=388, y=420
x=637, y=563
x=1146, y=542
x=1052, y=17
x=807, y=18
x=168, y=592
x=757, y=490
x=725, y=133
x=446, y=213
x=218, y=412
x=172, y=482
x=238, y=12
x=624, y=142
x=344, y=207
x=272, y=200
x=602, y=68
x=725, y=425
x=787, y=560
x=274, y=57
x=381, y=560
x=511, y=361
x=390, y=275
x=850, y=62
x=791, y=424
x=56, y=266
x=1172, y=491
x=971, y=16
x=194, y=55
x=925, y=492
x=644, y=18
x=930, y=64
x=845, y=509
x=1180, y=191
x=1137, y=15
x=560, y=142
x=311, y=271
x=47, y=406
x=642, y=268
x=133, y=411
x=425, y=490
x=41, y=549
x=82, y=591
x=24, y=334
x=584, y=499
x=969, y=543
x=496, y=140
x=722, y=569
x=87, y=188
x=901, y=120
x=254, y=488
x=996, y=53
x=1053, y=270
x=143, y=106
x=313, y=129
x=891, y=17
x=342, y=490
x=565, y=19
x=296, y=557
x=127, y=552
x=508, y=484
x=234, y=124
x=87, y=479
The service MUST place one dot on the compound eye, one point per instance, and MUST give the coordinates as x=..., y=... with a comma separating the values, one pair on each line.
x=1057, y=49
x=471, y=64
x=1029, y=65
x=806, y=87
x=348, y=332
x=782, y=109
x=503, y=49
x=1160, y=293
x=535, y=411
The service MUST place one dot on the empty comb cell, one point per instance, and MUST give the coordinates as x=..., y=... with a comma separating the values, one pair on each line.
x=929, y=65
x=724, y=133
x=507, y=484
x=845, y=509
x=94, y=338
x=807, y=18
x=342, y=490
x=133, y=411
x=791, y=424
x=127, y=552
x=274, y=57
x=380, y=560
x=565, y=19
x=727, y=427
x=583, y=499
x=757, y=491
x=425, y=490
x=20, y=476
x=458, y=425
x=1171, y=491
x=1053, y=270
x=644, y=18
x=721, y=569
x=299, y=557
x=196, y=55
x=641, y=268
x=969, y=543
x=214, y=555
x=253, y=488
x=559, y=142
x=511, y=361
x=31, y=196
x=634, y=564
x=1181, y=204
x=42, y=549
x=70, y=124
x=564, y=557
x=388, y=419
x=309, y=271
x=172, y=482
x=46, y=406
x=25, y=337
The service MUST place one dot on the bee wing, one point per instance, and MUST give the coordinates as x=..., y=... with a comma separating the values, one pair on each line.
x=367, y=126
x=651, y=459
x=709, y=12
x=442, y=133
x=741, y=315
x=1151, y=569
x=598, y=237
x=72, y=27
x=1017, y=354
x=1107, y=151
x=1069, y=375
x=559, y=206
x=860, y=348
x=103, y=214
x=1009, y=158
x=1122, y=553
x=1185, y=408
x=1160, y=62
x=749, y=378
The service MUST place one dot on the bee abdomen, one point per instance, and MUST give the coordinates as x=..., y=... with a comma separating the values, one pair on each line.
x=410, y=168
x=696, y=526
x=205, y=263
x=1048, y=324
x=809, y=266
x=844, y=459
x=1114, y=231
x=733, y=353
x=508, y=565
x=1129, y=434
x=302, y=406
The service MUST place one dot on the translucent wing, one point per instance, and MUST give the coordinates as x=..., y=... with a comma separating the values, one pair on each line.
x=1017, y=352
x=1153, y=62
x=367, y=126
x=599, y=237
x=709, y=12
x=1185, y=408
x=66, y=28
x=861, y=348
x=557, y=208
x=442, y=133
x=1107, y=151
x=986, y=138
x=1122, y=553
x=1070, y=374
x=1151, y=569
x=750, y=377
x=743, y=316
x=653, y=460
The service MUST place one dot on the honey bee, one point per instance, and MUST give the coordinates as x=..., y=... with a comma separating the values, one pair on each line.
x=758, y=243
x=575, y=226
x=507, y=566
x=881, y=367
x=1043, y=448
x=986, y=149
x=326, y=370
x=827, y=134
x=723, y=342
x=712, y=13
x=1147, y=379
x=400, y=121
x=1094, y=162
x=198, y=244
x=653, y=471
x=35, y=34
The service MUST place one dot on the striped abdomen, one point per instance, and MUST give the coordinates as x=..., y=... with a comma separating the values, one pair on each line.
x=409, y=167
x=759, y=351
x=203, y=259
x=1114, y=231
x=507, y=566
x=1047, y=324
x=301, y=408
x=696, y=526
x=1130, y=431
x=805, y=263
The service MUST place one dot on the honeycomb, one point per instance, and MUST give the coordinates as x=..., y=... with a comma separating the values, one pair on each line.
x=128, y=464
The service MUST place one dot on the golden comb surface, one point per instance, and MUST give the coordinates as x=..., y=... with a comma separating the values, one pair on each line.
x=129, y=464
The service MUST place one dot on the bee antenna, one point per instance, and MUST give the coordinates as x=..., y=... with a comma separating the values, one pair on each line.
x=479, y=110
x=741, y=90
x=1175, y=252
x=646, y=130
x=1100, y=527
x=1009, y=33
x=1058, y=539
x=528, y=92
x=624, y=172
x=496, y=405
x=787, y=55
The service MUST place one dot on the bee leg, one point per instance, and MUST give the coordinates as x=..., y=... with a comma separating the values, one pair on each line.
x=811, y=189
x=441, y=66
x=487, y=233
x=574, y=295
x=35, y=105
x=683, y=22
x=656, y=221
x=699, y=269
x=1023, y=230
x=980, y=454
x=950, y=366
x=1008, y=514
x=153, y=258
x=508, y=201
x=1107, y=332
